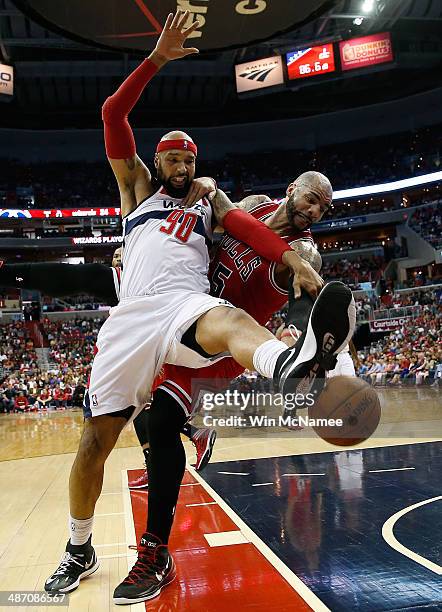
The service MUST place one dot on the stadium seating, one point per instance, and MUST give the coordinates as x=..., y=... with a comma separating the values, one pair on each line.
x=427, y=221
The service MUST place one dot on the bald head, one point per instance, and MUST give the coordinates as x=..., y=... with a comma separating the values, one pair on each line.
x=308, y=199
x=176, y=135
x=116, y=257
x=317, y=181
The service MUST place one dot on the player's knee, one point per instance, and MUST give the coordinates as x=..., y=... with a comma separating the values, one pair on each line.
x=236, y=318
x=95, y=445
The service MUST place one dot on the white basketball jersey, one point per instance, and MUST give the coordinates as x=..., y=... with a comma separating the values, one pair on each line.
x=165, y=247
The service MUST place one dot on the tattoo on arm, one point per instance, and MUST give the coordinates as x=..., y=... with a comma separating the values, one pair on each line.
x=308, y=252
x=130, y=163
x=221, y=205
x=252, y=200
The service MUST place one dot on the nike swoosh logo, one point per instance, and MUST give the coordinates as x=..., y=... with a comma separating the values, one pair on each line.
x=88, y=565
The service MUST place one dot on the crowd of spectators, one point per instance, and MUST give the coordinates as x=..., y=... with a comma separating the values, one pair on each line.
x=409, y=355
x=71, y=343
x=382, y=159
x=355, y=271
x=26, y=385
x=427, y=221
x=16, y=348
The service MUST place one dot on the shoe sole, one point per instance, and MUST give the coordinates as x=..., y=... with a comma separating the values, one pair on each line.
x=76, y=584
x=329, y=329
x=207, y=453
x=127, y=600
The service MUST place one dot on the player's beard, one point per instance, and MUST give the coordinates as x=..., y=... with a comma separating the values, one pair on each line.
x=296, y=221
x=174, y=192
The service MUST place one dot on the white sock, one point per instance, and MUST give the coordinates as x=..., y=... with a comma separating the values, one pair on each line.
x=80, y=530
x=266, y=356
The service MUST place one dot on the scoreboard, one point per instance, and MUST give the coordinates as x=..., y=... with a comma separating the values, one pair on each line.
x=311, y=61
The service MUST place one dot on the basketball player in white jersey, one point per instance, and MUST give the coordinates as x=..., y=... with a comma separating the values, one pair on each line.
x=167, y=223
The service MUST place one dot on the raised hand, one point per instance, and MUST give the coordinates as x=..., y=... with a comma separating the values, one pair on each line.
x=170, y=43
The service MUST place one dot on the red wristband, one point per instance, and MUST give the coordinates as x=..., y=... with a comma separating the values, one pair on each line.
x=257, y=235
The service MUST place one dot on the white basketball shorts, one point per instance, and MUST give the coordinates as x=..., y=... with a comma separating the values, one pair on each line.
x=140, y=335
x=344, y=366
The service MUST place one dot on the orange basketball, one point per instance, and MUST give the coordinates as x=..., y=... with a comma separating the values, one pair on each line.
x=352, y=401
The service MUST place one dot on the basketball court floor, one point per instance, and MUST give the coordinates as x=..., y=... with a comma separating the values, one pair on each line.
x=272, y=524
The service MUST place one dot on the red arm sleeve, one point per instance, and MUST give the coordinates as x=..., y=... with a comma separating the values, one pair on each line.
x=256, y=234
x=118, y=135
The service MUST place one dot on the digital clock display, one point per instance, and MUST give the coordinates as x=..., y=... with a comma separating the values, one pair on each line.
x=311, y=62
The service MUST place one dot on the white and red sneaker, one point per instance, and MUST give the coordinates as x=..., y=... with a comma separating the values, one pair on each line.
x=139, y=483
x=203, y=440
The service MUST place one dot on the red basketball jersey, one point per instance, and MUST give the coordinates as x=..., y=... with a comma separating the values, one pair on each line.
x=240, y=276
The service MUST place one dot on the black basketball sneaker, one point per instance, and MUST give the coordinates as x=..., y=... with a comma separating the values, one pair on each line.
x=76, y=563
x=153, y=570
x=301, y=368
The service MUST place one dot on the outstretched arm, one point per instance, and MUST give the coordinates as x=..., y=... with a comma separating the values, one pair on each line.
x=59, y=280
x=133, y=177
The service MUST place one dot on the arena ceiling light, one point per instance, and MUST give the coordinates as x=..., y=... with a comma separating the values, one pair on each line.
x=415, y=181
x=367, y=6
x=134, y=25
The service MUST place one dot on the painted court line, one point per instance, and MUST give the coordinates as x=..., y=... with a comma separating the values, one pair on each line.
x=296, y=583
x=110, y=514
x=201, y=504
x=191, y=484
x=108, y=545
x=262, y=484
x=131, y=537
x=130, y=555
x=391, y=470
x=235, y=473
x=225, y=538
x=389, y=537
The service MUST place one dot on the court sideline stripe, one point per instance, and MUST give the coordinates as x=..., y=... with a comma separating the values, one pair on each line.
x=129, y=525
x=390, y=538
x=391, y=470
x=296, y=583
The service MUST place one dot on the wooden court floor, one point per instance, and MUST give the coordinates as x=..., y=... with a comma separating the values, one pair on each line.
x=37, y=451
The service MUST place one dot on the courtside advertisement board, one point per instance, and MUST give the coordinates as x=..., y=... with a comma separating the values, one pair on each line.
x=366, y=51
x=384, y=325
x=259, y=74
x=311, y=62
